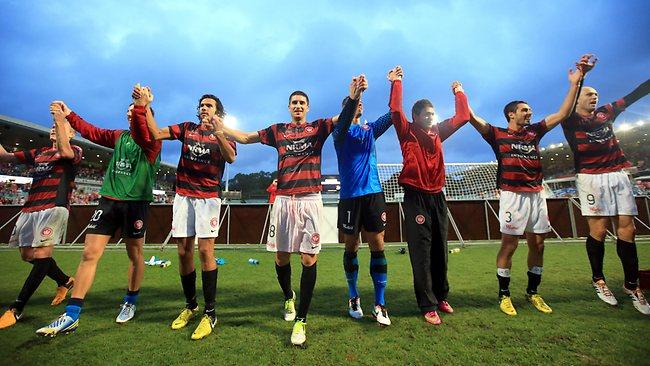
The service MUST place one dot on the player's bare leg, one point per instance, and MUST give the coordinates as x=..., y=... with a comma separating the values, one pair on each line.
x=135, y=275
x=93, y=249
x=94, y=246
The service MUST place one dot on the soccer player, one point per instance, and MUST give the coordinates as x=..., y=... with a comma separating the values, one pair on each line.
x=362, y=206
x=425, y=208
x=604, y=188
x=197, y=205
x=125, y=197
x=44, y=216
x=522, y=209
x=297, y=211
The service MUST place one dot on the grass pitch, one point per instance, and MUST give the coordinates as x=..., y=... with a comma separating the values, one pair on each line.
x=581, y=330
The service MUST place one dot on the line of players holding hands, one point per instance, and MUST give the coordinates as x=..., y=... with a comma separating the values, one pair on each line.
x=604, y=190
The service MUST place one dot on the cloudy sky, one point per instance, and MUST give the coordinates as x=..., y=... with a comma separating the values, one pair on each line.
x=255, y=53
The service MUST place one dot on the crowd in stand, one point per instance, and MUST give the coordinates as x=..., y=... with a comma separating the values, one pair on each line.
x=12, y=193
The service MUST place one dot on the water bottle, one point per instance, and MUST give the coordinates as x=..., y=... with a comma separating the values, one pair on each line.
x=253, y=261
x=220, y=261
x=455, y=250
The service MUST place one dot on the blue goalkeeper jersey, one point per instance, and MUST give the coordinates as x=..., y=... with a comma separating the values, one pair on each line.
x=355, y=151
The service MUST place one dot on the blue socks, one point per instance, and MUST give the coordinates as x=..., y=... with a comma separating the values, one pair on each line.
x=351, y=267
x=131, y=297
x=379, y=274
x=73, y=309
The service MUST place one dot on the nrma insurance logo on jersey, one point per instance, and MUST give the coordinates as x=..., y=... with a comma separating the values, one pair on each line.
x=600, y=135
x=523, y=148
x=199, y=153
x=198, y=150
x=123, y=166
x=42, y=168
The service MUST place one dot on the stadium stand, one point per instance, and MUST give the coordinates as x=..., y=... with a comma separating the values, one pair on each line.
x=17, y=134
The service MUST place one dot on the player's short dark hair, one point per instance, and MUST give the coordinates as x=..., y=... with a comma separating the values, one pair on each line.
x=152, y=112
x=511, y=108
x=420, y=105
x=220, y=111
x=299, y=92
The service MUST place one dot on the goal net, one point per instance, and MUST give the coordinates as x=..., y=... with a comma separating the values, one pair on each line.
x=465, y=181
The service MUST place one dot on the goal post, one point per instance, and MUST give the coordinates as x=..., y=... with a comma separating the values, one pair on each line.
x=465, y=181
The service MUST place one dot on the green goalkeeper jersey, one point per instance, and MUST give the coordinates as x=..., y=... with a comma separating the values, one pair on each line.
x=129, y=176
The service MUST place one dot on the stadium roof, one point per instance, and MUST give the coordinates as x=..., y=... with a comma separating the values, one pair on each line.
x=16, y=134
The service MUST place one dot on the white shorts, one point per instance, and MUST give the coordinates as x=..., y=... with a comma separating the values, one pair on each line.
x=40, y=228
x=606, y=194
x=196, y=217
x=295, y=224
x=521, y=212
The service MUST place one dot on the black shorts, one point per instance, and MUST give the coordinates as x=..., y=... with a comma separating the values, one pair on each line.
x=367, y=211
x=128, y=216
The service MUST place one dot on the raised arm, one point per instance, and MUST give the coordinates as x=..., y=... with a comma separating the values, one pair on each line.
x=447, y=127
x=395, y=103
x=381, y=125
x=479, y=123
x=357, y=86
x=62, y=132
x=638, y=93
x=139, y=131
x=97, y=135
x=585, y=64
x=155, y=132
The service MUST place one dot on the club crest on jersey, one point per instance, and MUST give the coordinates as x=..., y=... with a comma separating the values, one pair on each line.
x=601, y=116
x=138, y=224
x=214, y=222
x=47, y=231
x=315, y=238
x=419, y=219
x=309, y=129
x=212, y=137
x=383, y=216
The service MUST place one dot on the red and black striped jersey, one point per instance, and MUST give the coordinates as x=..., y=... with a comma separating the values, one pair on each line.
x=299, y=154
x=592, y=140
x=52, y=179
x=201, y=165
x=517, y=152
